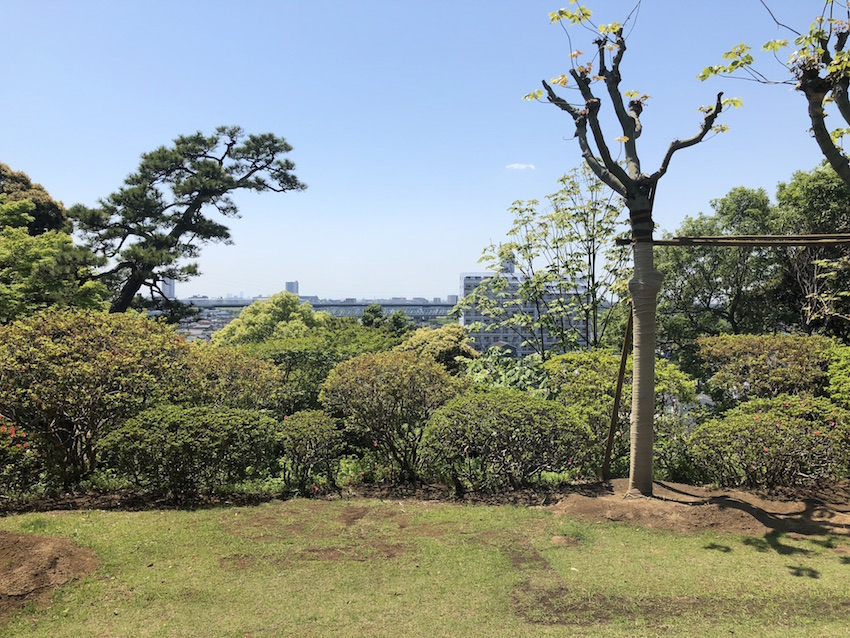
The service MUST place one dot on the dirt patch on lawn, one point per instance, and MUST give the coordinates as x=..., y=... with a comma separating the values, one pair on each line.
x=32, y=566
x=689, y=509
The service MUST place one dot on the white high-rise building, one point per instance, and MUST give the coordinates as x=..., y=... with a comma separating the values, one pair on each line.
x=167, y=287
x=513, y=337
x=292, y=286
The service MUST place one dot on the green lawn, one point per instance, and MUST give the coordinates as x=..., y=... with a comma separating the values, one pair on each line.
x=411, y=568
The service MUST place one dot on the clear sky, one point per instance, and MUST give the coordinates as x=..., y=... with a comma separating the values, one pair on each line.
x=406, y=119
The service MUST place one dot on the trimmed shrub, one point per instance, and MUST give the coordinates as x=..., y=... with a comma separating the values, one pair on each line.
x=20, y=464
x=585, y=382
x=502, y=438
x=744, y=367
x=189, y=451
x=311, y=443
x=838, y=376
x=776, y=442
x=386, y=399
x=225, y=376
x=69, y=376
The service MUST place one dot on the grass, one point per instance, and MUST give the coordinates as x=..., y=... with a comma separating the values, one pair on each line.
x=410, y=568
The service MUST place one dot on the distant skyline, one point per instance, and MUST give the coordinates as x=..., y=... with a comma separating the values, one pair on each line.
x=406, y=120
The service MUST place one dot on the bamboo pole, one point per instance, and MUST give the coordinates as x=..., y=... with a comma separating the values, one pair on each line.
x=750, y=240
x=605, y=470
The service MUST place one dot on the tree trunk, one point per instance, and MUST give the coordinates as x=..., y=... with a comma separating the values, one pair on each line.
x=128, y=291
x=644, y=287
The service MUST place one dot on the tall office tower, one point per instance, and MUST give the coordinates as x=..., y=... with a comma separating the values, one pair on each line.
x=167, y=287
x=292, y=286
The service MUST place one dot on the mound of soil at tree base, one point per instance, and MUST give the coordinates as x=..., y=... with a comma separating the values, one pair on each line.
x=32, y=566
x=823, y=509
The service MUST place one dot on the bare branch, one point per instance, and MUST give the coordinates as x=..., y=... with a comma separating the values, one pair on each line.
x=778, y=23
x=677, y=145
x=629, y=120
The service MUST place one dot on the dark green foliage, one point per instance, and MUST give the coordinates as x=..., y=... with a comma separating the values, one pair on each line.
x=47, y=214
x=397, y=324
x=741, y=367
x=505, y=438
x=190, y=451
x=311, y=443
x=20, y=464
x=709, y=290
x=386, y=399
x=157, y=220
x=786, y=440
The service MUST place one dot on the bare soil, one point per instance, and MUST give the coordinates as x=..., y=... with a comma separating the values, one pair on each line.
x=689, y=509
x=32, y=566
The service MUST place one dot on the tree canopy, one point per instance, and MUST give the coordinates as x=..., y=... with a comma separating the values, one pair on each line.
x=47, y=213
x=160, y=217
x=38, y=271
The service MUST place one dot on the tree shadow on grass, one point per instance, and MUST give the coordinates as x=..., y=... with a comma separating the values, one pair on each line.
x=812, y=518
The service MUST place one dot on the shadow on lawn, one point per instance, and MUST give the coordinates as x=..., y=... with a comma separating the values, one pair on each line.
x=813, y=517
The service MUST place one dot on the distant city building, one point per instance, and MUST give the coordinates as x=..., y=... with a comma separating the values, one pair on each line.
x=167, y=287
x=452, y=299
x=292, y=286
x=510, y=337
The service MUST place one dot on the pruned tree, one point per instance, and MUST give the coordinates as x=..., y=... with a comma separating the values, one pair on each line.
x=819, y=67
x=158, y=219
x=637, y=188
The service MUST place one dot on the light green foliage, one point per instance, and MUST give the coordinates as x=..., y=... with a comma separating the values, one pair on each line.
x=69, y=376
x=157, y=220
x=445, y=345
x=311, y=443
x=585, y=382
x=38, y=271
x=227, y=377
x=786, y=440
x=505, y=438
x=190, y=451
x=386, y=399
x=498, y=368
x=303, y=344
x=280, y=316
x=838, y=376
x=566, y=265
x=742, y=367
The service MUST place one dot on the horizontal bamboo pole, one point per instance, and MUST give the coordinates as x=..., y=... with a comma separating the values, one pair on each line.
x=750, y=240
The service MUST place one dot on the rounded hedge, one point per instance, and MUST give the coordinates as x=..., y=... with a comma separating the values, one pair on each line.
x=311, y=444
x=490, y=440
x=787, y=440
x=188, y=451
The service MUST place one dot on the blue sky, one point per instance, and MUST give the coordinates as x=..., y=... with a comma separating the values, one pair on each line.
x=406, y=119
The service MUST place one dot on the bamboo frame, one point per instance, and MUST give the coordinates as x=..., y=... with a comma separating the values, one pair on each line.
x=750, y=240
